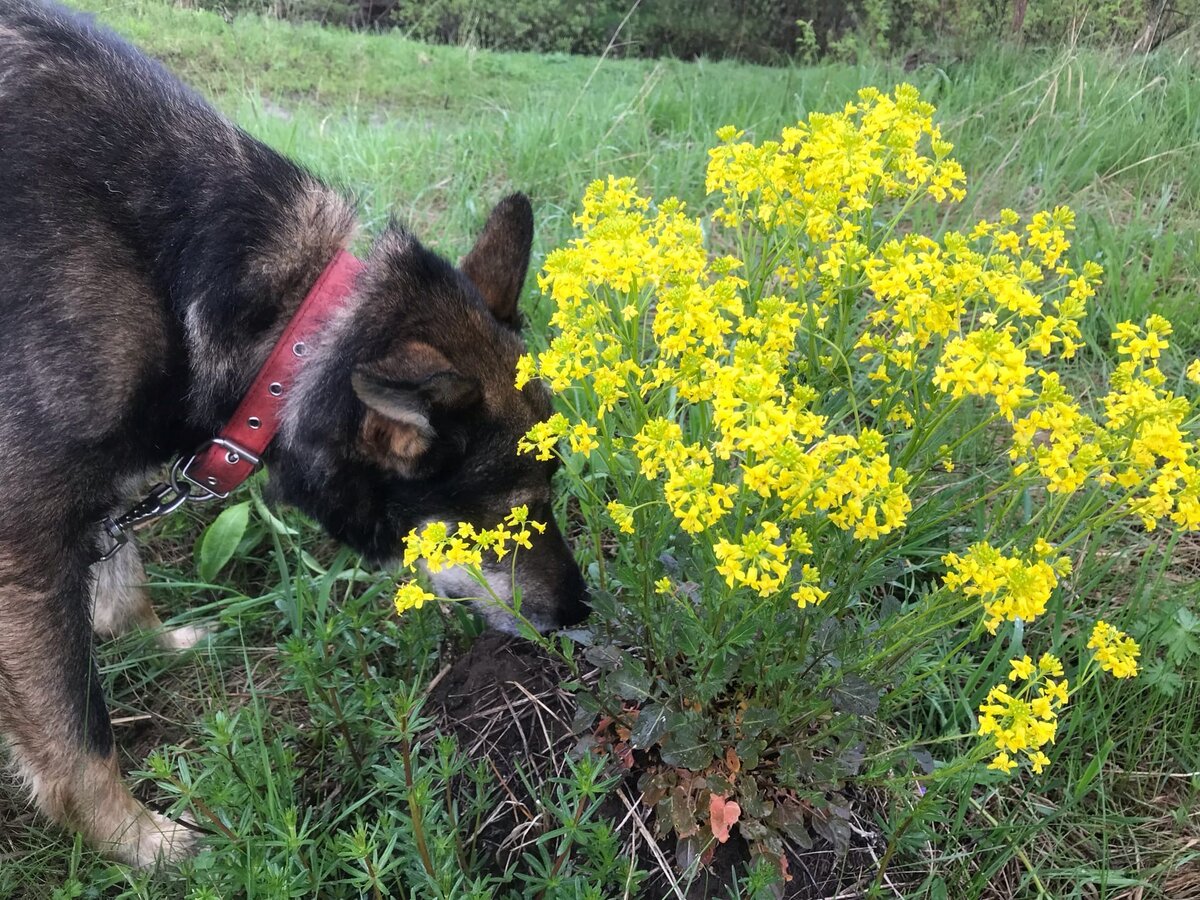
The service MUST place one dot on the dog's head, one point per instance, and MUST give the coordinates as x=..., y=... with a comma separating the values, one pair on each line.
x=406, y=413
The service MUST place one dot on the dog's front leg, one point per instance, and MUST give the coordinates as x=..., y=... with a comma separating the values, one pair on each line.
x=52, y=711
x=120, y=603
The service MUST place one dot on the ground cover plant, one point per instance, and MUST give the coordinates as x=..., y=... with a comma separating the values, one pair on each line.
x=305, y=737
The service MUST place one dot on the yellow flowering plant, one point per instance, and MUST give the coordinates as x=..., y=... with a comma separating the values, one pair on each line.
x=812, y=445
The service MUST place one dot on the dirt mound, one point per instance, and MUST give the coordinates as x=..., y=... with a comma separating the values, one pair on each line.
x=504, y=702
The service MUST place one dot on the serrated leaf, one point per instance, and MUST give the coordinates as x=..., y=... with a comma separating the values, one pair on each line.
x=630, y=682
x=690, y=636
x=757, y=719
x=606, y=657
x=855, y=695
x=1181, y=645
x=651, y=726
x=685, y=745
x=1163, y=678
x=221, y=539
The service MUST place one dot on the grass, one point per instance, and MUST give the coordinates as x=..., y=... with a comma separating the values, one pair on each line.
x=285, y=727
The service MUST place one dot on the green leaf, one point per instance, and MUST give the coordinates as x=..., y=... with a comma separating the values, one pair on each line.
x=686, y=745
x=855, y=695
x=757, y=719
x=651, y=726
x=604, y=656
x=1163, y=678
x=630, y=682
x=221, y=539
x=1080, y=788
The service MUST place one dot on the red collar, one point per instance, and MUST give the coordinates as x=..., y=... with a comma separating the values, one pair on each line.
x=232, y=456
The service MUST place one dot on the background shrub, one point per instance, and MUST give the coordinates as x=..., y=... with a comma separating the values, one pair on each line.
x=762, y=31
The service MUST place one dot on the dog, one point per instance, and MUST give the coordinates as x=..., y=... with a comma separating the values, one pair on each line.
x=151, y=255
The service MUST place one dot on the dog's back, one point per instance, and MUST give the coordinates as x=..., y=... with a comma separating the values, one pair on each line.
x=128, y=211
x=139, y=233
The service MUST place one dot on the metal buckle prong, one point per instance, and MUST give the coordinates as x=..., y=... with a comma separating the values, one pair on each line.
x=232, y=447
x=180, y=470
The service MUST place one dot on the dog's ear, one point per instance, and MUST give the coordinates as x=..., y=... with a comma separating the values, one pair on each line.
x=403, y=395
x=500, y=258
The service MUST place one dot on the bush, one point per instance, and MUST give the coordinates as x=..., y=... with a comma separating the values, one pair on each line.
x=819, y=457
x=763, y=31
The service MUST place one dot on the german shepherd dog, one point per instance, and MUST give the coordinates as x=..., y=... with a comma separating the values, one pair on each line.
x=151, y=253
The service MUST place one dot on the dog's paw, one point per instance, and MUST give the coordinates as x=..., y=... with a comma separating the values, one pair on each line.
x=153, y=841
x=184, y=637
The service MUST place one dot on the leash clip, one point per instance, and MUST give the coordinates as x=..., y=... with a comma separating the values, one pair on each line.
x=162, y=500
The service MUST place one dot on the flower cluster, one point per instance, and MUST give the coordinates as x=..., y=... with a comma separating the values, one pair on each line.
x=437, y=547
x=1116, y=651
x=780, y=408
x=1010, y=587
x=832, y=165
x=411, y=595
x=1025, y=722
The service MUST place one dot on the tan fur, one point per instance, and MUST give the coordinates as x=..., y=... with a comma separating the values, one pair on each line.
x=392, y=444
x=120, y=603
x=103, y=308
x=71, y=786
x=319, y=225
x=119, y=600
x=86, y=793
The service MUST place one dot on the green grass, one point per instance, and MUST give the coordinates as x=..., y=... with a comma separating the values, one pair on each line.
x=285, y=726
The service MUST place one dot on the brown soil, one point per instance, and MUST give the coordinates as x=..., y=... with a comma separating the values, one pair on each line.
x=504, y=702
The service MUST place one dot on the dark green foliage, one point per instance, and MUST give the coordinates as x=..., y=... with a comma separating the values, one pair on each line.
x=762, y=31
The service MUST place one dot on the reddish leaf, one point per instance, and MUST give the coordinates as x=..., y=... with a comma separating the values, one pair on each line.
x=731, y=761
x=624, y=754
x=683, y=816
x=722, y=814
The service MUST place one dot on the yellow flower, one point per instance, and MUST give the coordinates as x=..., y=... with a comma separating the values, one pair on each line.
x=1116, y=651
x=1003, y=763
x=1009, y=587
x=622, y=516
x=411, y=596
x=1021, y=669
x=1024, y=721
x=439, y=548
x=582, y=437
x=758, y=560
x=1050, y=665
x=808, y=592
x=543, y=436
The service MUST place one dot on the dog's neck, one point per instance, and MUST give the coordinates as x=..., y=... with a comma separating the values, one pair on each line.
x=233, y=319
